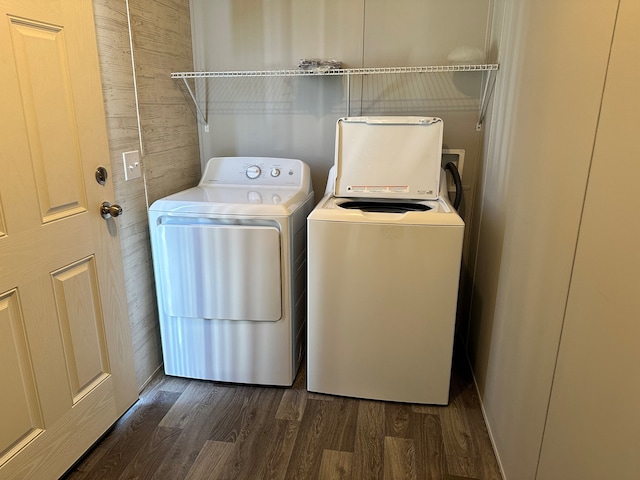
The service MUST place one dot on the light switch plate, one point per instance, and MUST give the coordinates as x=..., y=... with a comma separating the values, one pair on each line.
x=132, y=168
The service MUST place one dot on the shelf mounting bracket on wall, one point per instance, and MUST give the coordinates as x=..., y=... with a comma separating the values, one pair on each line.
x=193, y=97
x=487, y=90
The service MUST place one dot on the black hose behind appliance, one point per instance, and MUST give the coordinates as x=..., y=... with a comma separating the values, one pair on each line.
x=457, y=181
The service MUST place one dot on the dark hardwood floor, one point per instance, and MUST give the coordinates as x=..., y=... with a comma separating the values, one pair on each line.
x=190, y=429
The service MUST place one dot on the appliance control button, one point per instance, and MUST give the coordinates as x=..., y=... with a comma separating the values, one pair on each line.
x=276, y=199
x=253, y=172
x=275, y=172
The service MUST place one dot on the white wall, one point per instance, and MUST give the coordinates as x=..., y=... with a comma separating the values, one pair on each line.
x=282, y=117
x=296, y=116
x=553, y=56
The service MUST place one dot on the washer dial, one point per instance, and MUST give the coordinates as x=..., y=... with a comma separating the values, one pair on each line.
x=253, y=172
x=275, y=172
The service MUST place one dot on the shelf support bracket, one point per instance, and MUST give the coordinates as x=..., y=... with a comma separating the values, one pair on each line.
x=348, y=95
x=487, y=89
x=193, y=97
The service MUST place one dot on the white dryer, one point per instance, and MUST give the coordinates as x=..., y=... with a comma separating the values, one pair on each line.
x=229, y=258
x=384, y=251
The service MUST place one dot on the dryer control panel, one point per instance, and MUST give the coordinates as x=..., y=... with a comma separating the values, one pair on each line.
x=255, y=171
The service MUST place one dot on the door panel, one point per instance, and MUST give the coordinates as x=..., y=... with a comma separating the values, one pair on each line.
x=39, y=51
x=25, y=420
x=80, y=320
x=65, y=350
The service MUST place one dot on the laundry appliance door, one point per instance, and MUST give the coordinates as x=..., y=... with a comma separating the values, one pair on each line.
x=220, y=271
x=388, y=157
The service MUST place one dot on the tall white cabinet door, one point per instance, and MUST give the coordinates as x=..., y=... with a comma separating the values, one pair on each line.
x=593, y=426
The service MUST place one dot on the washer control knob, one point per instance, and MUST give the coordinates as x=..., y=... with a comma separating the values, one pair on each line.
x=253, y=172
x=275, y=172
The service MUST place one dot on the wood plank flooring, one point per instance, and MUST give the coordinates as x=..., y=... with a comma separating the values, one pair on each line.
x=190, y=429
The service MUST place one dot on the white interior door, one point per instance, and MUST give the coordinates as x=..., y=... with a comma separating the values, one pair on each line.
x=66, y=362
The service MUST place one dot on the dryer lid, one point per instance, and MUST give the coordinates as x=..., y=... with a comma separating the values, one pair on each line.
x=388, y=157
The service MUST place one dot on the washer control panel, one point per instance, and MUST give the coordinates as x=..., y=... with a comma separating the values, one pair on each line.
x=254, y=171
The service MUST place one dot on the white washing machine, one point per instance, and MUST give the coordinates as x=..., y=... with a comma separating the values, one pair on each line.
x=230, y=264
x=384, y=251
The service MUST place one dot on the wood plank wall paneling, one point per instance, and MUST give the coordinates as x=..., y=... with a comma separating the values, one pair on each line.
x=171, y=162
x=162, y=44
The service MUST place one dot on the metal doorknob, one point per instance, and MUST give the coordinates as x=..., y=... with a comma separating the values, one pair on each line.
x=107, y=210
